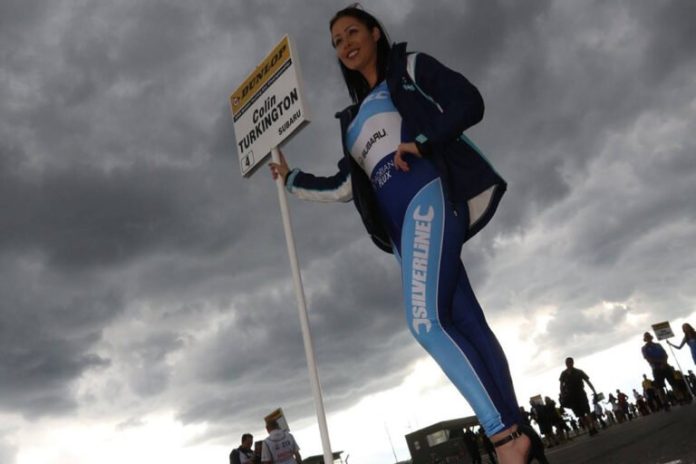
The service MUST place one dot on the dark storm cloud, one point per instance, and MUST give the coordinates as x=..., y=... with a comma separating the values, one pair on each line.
x=671, y=39
x=47, y=331
x=94, y=179
x=80, y=217
x=132, y=250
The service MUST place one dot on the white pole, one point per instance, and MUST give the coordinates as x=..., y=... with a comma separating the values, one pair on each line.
x=390, y=443
x=304, y=319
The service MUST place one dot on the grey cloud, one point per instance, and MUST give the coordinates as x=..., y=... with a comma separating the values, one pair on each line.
x=359, y=333
x=47, y=341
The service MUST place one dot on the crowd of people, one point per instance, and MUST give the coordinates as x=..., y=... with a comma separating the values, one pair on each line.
x=556, y=426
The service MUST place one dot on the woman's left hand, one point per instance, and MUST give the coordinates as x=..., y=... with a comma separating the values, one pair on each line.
x=401, y=151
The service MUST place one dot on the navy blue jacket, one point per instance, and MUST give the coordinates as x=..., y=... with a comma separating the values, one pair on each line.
x=438, y=104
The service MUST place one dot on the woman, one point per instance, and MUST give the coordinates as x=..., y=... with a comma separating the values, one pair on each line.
x=689, y=339
x=422, y=189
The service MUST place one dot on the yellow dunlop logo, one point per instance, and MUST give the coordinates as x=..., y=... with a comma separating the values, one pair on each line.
x=261, y=75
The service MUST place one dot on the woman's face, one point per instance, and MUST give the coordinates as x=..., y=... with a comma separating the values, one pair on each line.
x=355, y=44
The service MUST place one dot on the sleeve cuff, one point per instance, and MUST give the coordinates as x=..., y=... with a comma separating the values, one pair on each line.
x=290, y=179
x=423, y=144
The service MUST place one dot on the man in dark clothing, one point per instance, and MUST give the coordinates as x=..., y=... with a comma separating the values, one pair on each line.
x=573, y=394
x=541, y=414
x=651, y=394
x=244, y=454
x=657, y=358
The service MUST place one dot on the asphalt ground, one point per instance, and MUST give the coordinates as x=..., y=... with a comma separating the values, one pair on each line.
x=660, y=438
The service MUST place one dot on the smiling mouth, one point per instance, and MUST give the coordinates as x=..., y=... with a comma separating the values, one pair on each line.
x=352, y=53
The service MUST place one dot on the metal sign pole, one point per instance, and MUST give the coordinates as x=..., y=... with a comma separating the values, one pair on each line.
x=304, y=319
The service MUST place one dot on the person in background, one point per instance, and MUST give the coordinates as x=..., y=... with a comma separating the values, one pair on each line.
x=279, y=447
x=598, y=412
x=244, y=454
x=622, y=402
x=544, y=419
x=573, y=394
x=657, y=357
x=650, y=393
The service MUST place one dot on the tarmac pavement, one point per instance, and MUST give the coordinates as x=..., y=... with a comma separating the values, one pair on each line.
x=660, y=438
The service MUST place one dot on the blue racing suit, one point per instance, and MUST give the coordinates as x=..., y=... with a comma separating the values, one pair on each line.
x=426, y=214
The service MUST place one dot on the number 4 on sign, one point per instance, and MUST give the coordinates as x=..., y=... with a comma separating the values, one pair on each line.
x=248, y=160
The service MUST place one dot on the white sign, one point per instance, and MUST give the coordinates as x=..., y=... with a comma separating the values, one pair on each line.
x=268, y=107
x=663, y=331
x=279, y=417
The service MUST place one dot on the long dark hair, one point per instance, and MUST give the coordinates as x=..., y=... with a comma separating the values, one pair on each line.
x=357, y=85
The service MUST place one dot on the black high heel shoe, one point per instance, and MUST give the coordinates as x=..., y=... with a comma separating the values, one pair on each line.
x=536, y=450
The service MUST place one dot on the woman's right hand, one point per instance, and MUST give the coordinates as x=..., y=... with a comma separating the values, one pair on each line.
x=279, y=169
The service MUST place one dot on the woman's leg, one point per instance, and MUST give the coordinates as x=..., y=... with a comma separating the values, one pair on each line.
x=443, y=313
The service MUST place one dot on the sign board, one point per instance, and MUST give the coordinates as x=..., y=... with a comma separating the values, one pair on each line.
x=663, y=331
x=279, y=417
x=269, y=106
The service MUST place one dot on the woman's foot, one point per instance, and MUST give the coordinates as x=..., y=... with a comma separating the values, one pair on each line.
x=512, y=446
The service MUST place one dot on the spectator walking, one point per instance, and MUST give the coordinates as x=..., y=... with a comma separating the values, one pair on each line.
x=573, y=394
x=542, y=416
x=656, y=356
x=279, y=447
x=244, y=454
x=622, y=400
x=598, y=412
x=682, y=389
x=651, y=395
x=616, y=409
x=641, y=404
x=557, y=420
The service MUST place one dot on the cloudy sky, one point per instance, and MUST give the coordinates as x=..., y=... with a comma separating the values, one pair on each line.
x=147, y=309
